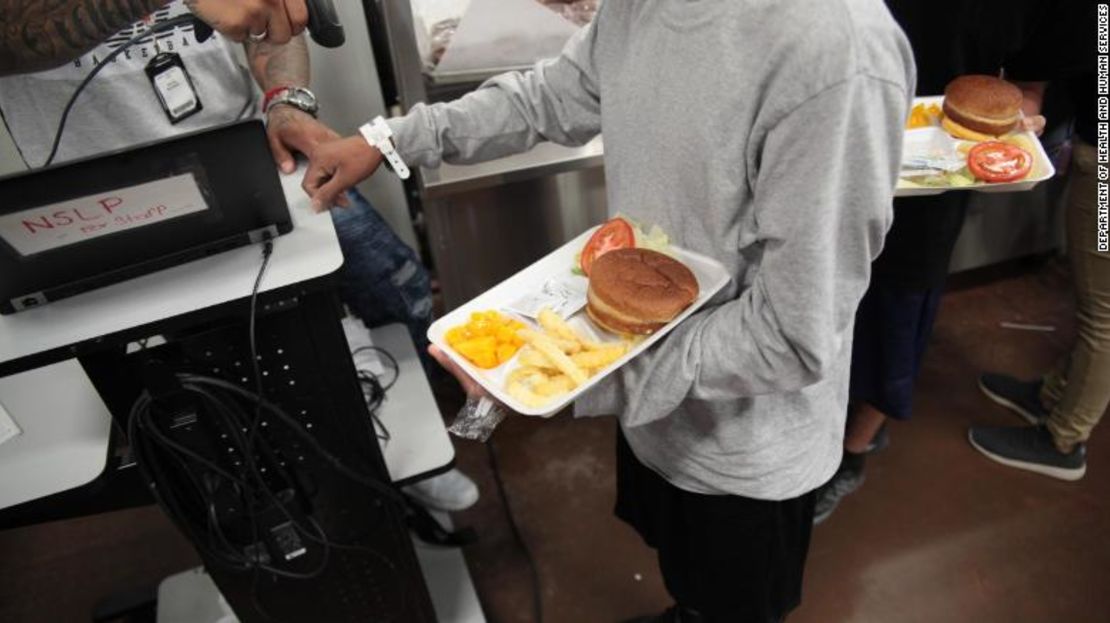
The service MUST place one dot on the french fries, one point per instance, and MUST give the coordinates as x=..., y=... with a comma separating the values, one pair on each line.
x=556, y=359
x=524, y=394
x=548, y=348
x=533, y=358
x=599, y=358
x=563, y=345
x=556, y=326
x=555, y=385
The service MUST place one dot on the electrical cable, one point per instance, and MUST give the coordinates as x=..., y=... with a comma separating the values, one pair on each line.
x=166, y=25
x=386, y=491
x=534, y=572
x=374, y=394
x=267, y=252
x=389, y=357
x=188, y=485
x=374, y=390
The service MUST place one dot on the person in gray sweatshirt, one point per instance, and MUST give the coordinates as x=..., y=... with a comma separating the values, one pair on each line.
x=766, y=134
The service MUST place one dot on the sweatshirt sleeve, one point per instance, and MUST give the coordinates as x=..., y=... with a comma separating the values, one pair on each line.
x=558, y=101
x=822, y=194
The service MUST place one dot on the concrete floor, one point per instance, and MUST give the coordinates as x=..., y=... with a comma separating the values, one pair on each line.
x=938, y=533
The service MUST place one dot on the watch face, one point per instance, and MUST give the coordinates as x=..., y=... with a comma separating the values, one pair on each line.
x=305, y=97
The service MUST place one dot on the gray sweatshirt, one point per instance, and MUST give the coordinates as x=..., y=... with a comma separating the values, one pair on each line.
x=764, y=133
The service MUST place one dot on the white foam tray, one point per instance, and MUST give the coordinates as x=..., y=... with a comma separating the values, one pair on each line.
x=711, y=276
x=1041, y=171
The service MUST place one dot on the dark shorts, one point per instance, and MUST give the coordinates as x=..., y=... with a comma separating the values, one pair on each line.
x=733, y=559
x=893, y=326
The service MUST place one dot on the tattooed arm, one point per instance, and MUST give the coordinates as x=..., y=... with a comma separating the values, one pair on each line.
x=279, y=65
x=41, y=34
x=289, y=129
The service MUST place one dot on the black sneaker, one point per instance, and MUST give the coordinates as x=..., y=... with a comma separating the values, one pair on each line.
x=845, y=481
x=1030, y=448
x=1021, y=397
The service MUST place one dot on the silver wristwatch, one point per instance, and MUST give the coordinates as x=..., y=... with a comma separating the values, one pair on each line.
x=297, y=97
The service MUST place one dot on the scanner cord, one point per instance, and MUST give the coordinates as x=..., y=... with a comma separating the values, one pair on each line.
x=166, y=25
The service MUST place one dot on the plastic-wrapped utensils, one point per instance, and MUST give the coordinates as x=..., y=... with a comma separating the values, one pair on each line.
x=477, y=419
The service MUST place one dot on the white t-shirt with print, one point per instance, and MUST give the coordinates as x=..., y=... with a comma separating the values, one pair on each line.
x=119, y=108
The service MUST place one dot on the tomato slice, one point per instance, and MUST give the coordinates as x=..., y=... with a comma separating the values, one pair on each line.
x=996, y=162
x=616, y=233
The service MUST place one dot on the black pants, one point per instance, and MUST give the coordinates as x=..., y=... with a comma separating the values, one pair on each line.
x=733, y=559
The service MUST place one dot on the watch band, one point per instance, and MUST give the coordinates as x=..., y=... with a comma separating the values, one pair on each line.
x=380, y=136
x=298, y=97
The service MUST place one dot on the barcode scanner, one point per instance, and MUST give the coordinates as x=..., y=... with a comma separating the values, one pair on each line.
x=323, y=25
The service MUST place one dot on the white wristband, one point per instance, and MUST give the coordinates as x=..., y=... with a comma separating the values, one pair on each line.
x=380, y=136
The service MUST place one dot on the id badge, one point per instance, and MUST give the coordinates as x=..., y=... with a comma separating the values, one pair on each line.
x=173, y=86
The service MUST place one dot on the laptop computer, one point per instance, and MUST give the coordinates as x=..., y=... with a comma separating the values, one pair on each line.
x=85, y=224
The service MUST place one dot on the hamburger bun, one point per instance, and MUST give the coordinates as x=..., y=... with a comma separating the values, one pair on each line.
x=983, y=104
x=638, y=291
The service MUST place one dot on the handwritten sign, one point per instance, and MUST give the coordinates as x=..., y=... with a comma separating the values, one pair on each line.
x=77, y=220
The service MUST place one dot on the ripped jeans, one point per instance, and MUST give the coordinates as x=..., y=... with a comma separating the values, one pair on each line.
x=383, y=280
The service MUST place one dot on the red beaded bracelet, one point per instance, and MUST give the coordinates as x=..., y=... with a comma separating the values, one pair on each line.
x=270, y=95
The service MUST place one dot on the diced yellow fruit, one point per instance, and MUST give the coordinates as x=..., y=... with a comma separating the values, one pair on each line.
x=487, y=339
x=918, y=119
x=505, y=334
x=455, y=335
x=505, y=352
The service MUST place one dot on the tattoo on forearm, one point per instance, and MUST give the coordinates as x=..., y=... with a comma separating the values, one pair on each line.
x=279, y=65
x=40, y=34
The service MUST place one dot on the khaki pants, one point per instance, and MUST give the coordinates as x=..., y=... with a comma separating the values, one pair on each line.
x=1078, y=389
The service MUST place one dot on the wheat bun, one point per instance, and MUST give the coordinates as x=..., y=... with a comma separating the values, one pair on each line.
x=983, y=103
x=638, y=291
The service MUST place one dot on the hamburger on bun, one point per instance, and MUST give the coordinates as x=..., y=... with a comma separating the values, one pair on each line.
x=638, y=291
x=983, y=105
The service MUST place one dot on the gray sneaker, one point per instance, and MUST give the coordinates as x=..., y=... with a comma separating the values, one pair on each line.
x=1021, y=397
x=830, y=494
x=1030, y=448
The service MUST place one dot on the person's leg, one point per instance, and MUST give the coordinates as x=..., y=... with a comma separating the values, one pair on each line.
x=892, y=330
x=383, y=281
x=1053, y=382
x=1056, y=448
x=863, y=422
x=723, y=558
x=1086, y=392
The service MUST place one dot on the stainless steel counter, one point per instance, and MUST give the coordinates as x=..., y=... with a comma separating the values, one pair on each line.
x=543, y=160
x=495, y=220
